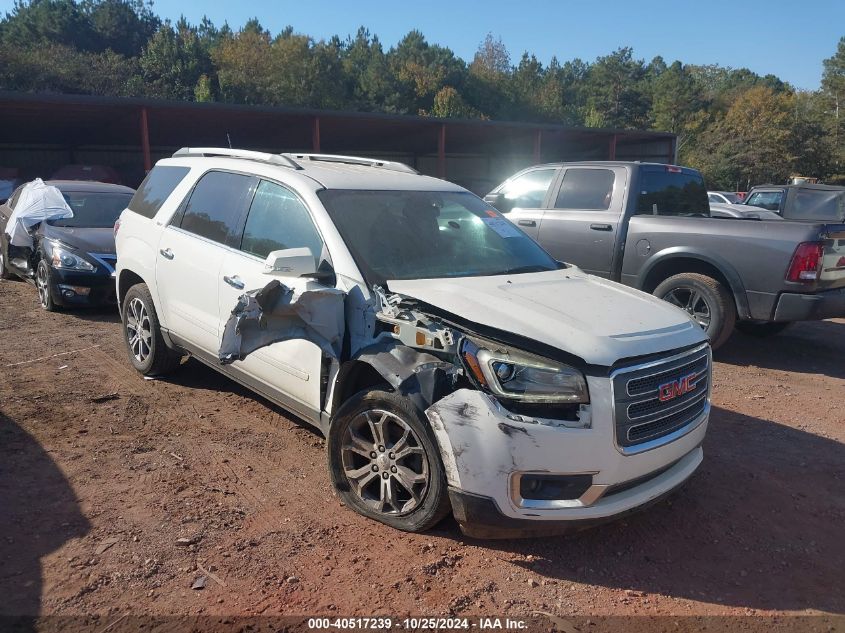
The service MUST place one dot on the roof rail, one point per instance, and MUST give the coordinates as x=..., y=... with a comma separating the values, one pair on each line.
x=354, y=160
x=282, y=160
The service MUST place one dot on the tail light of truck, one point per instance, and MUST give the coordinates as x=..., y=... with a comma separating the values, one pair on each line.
x=806, y=262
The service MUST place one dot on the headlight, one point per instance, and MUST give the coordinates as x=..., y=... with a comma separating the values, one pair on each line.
x=63, y=258
x=517, y=375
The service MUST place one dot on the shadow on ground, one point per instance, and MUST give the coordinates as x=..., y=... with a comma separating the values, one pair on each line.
x=99, y=314
x=813, y=347
x=39, y=513
x=759, y=526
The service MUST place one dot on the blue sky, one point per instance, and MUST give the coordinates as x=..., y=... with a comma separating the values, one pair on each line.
x=786, y=38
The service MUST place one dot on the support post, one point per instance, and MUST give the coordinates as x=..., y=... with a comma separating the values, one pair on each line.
x=145, y=140
x=315, y=135
x=538, y=145
x=441, y=152
x=611, y=150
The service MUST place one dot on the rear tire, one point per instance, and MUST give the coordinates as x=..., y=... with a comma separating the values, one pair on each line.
x=706, y=300
x=147, y=349
x=762, y=329
x=384, y=461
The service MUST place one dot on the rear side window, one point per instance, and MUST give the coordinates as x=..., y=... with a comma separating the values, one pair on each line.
x=766, y=200
x=672, y=192
x=155, y=189
x=215, y=205
x=818, y=205
x=277, y=220
x=585, y=189
x=528, y=190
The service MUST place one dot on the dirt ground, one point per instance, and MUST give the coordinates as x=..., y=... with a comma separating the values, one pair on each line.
x=118, y=493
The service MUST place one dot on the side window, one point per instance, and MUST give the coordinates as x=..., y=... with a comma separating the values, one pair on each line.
x=712, y=197
x=528, y=190
x=155, y=189
x=766, y=199
x=278, y=220
x=585, y=189
x=819, y=205
x=215, y=205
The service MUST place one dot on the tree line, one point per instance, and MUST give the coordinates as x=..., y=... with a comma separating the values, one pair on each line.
x=738, y=127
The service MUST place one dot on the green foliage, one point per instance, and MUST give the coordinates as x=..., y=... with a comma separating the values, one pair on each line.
x=833, y=98
x=738, y=127
x=616, y=88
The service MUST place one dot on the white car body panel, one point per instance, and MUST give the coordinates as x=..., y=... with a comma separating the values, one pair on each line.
x=595, y=319
x=189, y=286
x=293, y=366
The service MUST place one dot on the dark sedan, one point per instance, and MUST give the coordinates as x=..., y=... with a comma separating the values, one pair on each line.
x=72, y=260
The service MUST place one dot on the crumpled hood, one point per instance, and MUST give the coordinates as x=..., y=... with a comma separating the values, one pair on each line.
x=89, y=240
x=597, y=320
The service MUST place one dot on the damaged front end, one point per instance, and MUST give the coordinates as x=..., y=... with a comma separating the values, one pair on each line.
x=527, y=440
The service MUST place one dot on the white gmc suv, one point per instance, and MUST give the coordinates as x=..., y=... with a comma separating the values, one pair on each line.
x=452, y=364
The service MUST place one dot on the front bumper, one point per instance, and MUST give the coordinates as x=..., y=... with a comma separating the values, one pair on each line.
x=101, y=288
x=484, y=451
x=829, y=304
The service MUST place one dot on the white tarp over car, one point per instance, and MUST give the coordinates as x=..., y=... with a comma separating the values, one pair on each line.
x=37, y=202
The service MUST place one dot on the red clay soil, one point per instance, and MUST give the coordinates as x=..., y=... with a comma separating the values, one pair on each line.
x=118, y=493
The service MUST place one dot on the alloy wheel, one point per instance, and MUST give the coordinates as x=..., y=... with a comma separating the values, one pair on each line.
x=693, y=302
x=42, y=282
x=385, y=462
x=140, y=335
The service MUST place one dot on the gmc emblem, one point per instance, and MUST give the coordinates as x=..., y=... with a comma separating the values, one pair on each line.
x=671, y=390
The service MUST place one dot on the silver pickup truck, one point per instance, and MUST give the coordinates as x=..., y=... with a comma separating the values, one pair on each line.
x=648, y=226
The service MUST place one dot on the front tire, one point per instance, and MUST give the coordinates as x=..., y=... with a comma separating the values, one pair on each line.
x=44, y=285
x=384, y=462
x=148, y=352
x=706, y=300
x=4, y=272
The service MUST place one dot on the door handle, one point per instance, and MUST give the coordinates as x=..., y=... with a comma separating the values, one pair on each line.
x=526, y=223
x=234, y=281
x=601, y=227
x=166, y=253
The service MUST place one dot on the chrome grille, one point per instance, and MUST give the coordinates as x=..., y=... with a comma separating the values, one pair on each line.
x=641, y=415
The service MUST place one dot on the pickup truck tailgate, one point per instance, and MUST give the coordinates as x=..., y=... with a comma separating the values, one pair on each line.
x=833, y=261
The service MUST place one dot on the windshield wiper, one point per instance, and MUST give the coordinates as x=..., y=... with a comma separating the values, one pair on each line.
x=533, y=268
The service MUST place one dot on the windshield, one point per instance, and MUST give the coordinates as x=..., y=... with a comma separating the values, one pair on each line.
x=670, y=191
x=93, y=209
x=426, y=235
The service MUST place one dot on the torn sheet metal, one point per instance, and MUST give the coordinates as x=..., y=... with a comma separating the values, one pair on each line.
x=279, y=313
x=421, y=377
x=37, y=202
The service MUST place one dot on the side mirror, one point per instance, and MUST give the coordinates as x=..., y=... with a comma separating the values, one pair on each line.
x=496, y=200
x=290, y=262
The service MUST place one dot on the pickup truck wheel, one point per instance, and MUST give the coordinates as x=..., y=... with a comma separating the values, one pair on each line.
x=148, y=352
x=706, y=300
x=762, y=329
x=384, y=462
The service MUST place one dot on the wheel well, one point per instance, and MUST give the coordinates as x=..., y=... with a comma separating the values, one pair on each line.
x=356, y=376
x=665, y=269
x=127, y=280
